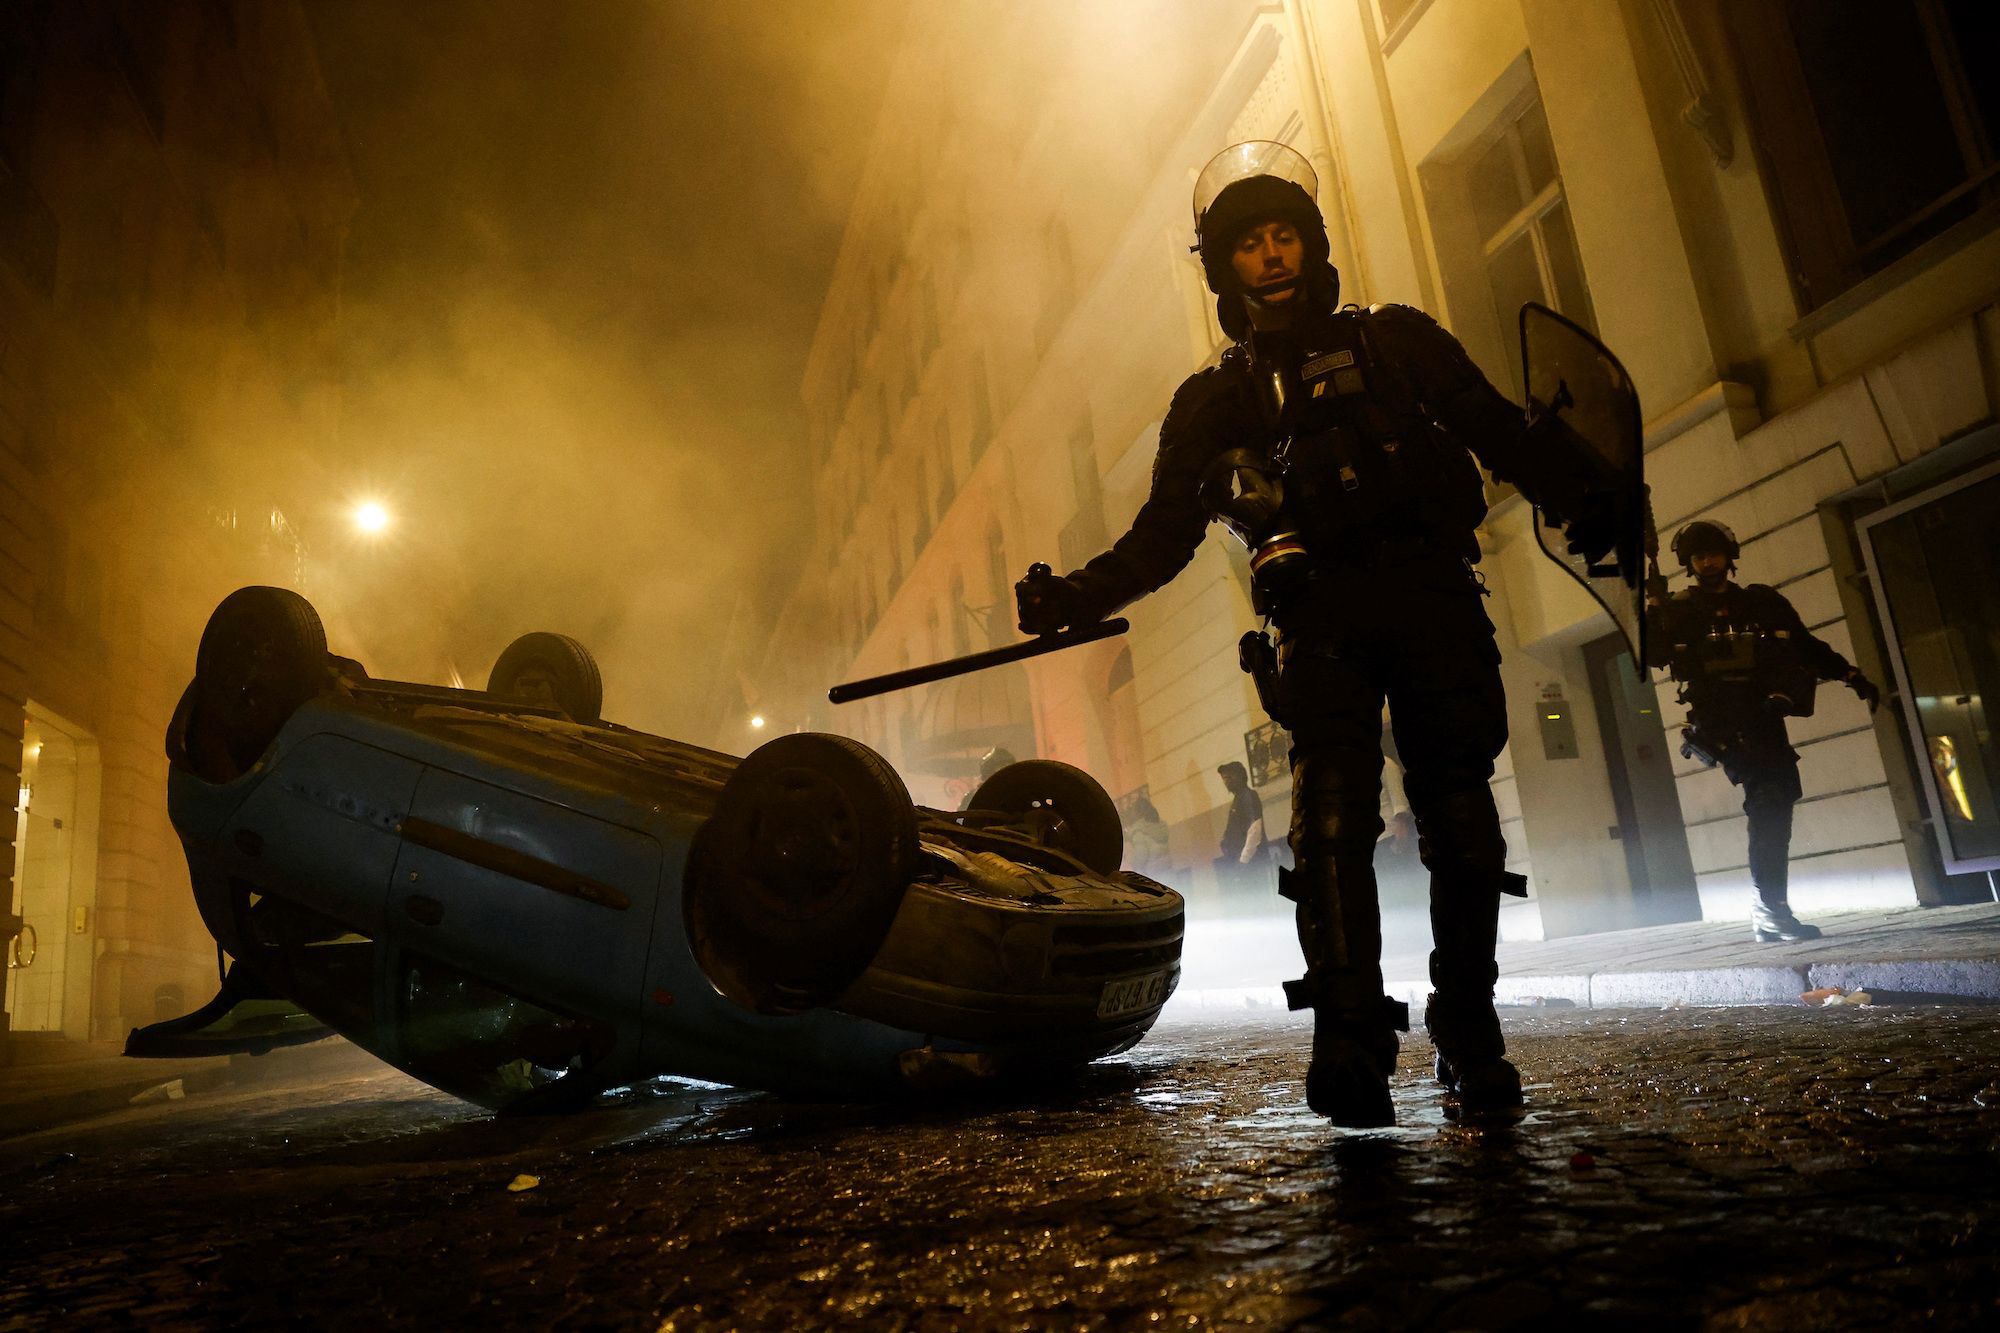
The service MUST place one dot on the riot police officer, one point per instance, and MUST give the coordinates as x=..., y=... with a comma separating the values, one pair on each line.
x=1745, y=662
x=1339, y=444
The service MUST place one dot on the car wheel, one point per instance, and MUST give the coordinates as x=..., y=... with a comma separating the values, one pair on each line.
x=262, y=656
x=1059, y=806
x=793, y=882
x=544, y=668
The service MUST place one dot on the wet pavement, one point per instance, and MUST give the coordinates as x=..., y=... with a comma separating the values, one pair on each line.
x=1746, y=1167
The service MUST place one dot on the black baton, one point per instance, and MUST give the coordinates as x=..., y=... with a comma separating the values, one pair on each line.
x=992, y=657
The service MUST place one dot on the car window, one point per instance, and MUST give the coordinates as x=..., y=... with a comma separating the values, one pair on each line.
x=480, y=1042
x=324, y=965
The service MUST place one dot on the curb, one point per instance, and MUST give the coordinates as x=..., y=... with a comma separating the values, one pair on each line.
x=1933, y=980
x=1720, y=987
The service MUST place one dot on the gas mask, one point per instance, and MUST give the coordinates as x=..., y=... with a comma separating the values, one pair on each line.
x=1245, y=491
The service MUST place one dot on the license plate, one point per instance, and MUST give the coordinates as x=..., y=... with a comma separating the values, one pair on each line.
x=1131, y=995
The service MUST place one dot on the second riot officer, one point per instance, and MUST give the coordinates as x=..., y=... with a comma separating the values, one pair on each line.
x=1339, y=444
x=1745, y=661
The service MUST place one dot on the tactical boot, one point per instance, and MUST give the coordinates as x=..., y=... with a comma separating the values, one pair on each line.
x=1471, y=1054
x=1769, y=792
x=1353, y=1054
x=1353, y=1023
x=1771, y=922
x=1347, y=1082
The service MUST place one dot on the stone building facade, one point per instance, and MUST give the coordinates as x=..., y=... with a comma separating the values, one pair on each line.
x=174, y=197
x=1809, y=317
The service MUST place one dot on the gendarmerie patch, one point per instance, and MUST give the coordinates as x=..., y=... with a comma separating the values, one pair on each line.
x=1320, y=365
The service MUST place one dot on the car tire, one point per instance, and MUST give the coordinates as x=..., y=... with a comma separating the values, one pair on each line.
x=1059, y=806
x=262, y=656
x=546, y=668
x=795, y=879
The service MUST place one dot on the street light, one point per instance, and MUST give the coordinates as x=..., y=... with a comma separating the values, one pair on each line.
x=371, y=517
x=757, y=722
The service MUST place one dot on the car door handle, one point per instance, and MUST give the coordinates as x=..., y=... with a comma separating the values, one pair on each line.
x=424, y=910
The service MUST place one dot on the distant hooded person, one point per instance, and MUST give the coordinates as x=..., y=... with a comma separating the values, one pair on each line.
x=1146, y=836
x=993, y=761
x=1243, y=835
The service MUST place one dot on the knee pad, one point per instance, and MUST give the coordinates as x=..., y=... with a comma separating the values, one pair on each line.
x=1459, y=833
x=1336, y=802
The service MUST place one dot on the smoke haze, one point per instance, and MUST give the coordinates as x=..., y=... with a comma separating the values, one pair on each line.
x=591, y=246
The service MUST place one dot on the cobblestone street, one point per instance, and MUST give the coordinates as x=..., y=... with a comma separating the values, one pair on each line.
x=1776, y=1167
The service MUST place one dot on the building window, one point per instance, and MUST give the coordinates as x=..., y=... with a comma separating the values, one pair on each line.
x=1120, y=674
x=1398, y=17
x=923, y=501
x=28, y=232
x=924, y=317
x=961, y=641
x=1876, y=123
x=1529, y=247
x=947, y=476
x=1058, y=282
x=1267, y=748
x=1000, y=613
x=1083, y=536
x=982, y=410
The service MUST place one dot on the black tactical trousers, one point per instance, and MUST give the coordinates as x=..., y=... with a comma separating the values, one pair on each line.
x=1416, y=634
x=1763, y=763
x=1768, y=801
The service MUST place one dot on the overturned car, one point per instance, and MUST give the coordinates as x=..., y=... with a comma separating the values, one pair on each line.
x=503, y=895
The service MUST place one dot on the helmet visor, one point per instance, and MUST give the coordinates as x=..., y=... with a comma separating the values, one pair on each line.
x=1258, y=157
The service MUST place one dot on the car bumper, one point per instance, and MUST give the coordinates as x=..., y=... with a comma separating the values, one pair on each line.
x=1090, y=960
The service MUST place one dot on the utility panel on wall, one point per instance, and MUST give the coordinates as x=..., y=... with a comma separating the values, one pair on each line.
x=1558, y=727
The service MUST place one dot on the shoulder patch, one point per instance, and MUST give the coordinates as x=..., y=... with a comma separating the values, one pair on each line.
x=1406, y=327
x=1200, y=395
x=1396, y=313
x=1204, y=387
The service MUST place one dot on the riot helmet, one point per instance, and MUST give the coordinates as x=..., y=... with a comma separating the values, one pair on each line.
x=1244, y=186
x=1705, y=534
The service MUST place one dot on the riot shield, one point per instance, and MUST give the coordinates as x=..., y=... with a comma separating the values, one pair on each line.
x=1589, y=412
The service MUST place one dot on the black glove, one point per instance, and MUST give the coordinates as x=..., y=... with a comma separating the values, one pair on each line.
x=1865, y=689
x=1046, y=601
x=1599, y=521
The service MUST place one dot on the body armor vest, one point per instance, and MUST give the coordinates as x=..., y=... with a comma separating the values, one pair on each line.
x=1731, y=665
x=1364, y=466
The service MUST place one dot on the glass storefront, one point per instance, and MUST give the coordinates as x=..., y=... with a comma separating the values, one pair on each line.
x=1934, y=560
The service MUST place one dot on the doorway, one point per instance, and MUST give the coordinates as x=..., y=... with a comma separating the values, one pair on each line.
x=1933, y=561
x=1642, y=786
x=55, y=842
